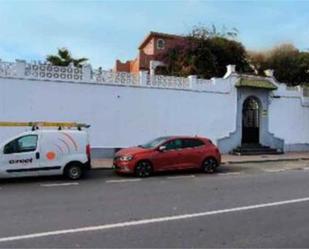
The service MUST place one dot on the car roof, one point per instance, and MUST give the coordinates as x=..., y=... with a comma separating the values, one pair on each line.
x=184, y=137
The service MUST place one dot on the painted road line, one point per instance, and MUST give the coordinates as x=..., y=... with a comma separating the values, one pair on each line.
x=180, y=177
x=306, y=168
x=59, y=184
x=151, y=221
x=122, y=181
x=230, y=174
x=275, y=170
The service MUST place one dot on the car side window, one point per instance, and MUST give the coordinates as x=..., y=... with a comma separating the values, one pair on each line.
x=174, y=144
x=191, y=143
x=26, y=143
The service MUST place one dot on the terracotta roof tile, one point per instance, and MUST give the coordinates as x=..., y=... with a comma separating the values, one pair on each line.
x=158, y=34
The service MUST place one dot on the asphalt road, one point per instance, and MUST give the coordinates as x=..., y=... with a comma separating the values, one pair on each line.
x=229, y=209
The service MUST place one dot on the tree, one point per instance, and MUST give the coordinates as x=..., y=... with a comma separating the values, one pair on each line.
x=226, y=52
x=257, y=61
x=204, y=52
x=290, y=65
x=202, y=32
x=64, y=58
x=284, y=60
x=303, y=60
x=187, y=57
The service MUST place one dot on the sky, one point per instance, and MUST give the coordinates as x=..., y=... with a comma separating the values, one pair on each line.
x=104, y=31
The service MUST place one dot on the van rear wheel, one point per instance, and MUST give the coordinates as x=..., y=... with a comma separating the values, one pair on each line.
x=74, y=172
x=209, y=165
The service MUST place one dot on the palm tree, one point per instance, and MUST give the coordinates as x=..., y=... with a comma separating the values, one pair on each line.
x=64, y=58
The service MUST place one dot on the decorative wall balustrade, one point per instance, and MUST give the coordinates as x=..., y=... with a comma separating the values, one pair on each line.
x=50, y=72
x=44, y=71
x=85, y=74
x=119, y=78
x=7, y=69
x=168, y=82
x=203, y=82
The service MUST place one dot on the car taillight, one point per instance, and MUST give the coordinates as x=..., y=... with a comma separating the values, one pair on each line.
x=88, y=151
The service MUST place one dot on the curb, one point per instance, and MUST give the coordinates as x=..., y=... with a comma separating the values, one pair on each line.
x=101, y=168
x=265, y=160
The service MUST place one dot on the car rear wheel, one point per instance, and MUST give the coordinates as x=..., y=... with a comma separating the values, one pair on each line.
x=209, y=165
x=143, y=169
x=74, y=172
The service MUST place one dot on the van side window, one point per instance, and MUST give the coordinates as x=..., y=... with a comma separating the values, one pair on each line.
x=22, y=144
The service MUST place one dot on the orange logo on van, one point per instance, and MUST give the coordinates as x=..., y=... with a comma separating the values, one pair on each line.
x=50, y=155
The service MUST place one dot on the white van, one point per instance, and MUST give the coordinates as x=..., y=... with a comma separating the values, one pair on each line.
x=46, y=152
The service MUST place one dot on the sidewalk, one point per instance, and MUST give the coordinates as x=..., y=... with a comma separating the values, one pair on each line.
x=290, y=156
x=107, y=163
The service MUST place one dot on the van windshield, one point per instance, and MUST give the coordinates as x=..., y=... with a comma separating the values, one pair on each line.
x=154, y=143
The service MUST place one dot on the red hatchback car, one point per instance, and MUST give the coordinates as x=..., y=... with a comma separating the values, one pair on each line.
x=168, y=153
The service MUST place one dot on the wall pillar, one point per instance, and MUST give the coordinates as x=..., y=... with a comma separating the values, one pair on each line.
x=230, y=69
x=20, y=68
x=192, y=81
x=143, y=78
x=86, y=72
x=269, y=73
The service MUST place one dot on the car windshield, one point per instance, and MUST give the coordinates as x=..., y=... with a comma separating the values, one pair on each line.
x=154, y=143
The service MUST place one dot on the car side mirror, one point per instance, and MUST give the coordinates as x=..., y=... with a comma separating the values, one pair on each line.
x=162, y=148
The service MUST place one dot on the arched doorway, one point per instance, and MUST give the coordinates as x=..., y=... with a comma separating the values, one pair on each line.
x=251, y=121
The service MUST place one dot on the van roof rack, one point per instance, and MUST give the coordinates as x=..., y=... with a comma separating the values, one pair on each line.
x=35, y=125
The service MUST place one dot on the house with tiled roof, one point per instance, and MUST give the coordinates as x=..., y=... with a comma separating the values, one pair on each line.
x=153, y=44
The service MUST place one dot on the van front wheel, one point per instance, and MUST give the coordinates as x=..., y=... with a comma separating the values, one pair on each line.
x=73, y=171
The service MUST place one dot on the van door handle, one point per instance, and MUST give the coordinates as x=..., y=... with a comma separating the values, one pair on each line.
x=37, y=155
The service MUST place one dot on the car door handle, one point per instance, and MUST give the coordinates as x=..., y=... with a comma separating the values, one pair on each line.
x=37, y=155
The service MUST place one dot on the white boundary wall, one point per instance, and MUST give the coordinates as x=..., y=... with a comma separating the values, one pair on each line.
x=119, y=116
x=289, y=115
x=125, y=109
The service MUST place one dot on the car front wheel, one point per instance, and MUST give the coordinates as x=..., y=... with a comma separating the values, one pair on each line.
x=143, y=169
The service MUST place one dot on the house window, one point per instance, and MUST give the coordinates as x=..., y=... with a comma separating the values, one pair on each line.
x=160, y=44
